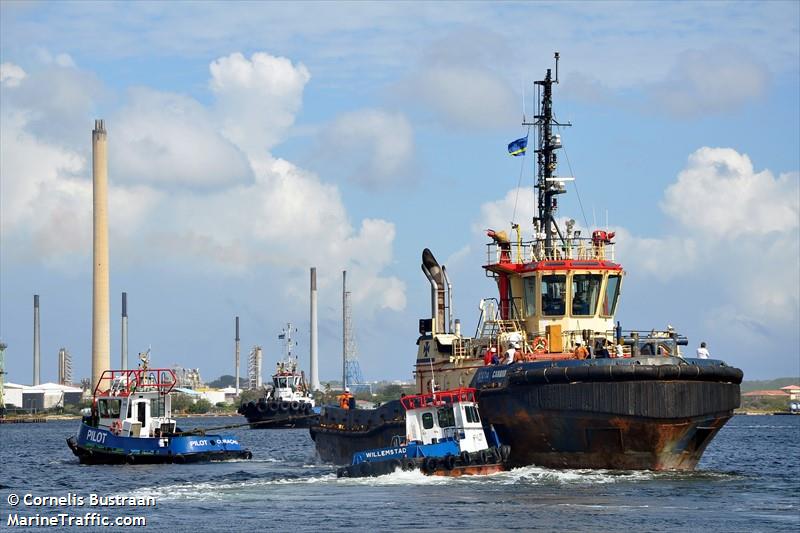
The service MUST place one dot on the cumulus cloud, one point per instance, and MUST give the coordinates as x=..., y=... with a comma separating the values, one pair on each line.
x=193, y=184
x=711, y=81
x=257, y=99
x=735, y=227
x=516, y=206
x=721, y=195
x=374, y=148
x=170, y=139
x=11, y=75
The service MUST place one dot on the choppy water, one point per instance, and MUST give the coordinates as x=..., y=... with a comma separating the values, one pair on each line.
x=748, y=480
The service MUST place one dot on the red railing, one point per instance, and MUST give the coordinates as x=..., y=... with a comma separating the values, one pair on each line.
x=438, y=398
x=125, y=382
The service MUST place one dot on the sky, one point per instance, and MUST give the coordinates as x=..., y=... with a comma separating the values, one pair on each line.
x=251, y=141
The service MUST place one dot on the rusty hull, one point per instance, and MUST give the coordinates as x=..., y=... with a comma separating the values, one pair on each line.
x=650, y=425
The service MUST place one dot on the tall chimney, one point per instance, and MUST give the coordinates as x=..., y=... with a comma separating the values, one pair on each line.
x=237, y=356
x=36, y=348
x=344, y=329
x=314, y=370
x=101, y=345
x=124, y=351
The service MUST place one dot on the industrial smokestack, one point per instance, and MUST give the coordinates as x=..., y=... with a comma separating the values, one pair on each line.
x=101, y=345
x=36, y=346
x=237, y=356
x=314, y=370
x=344, y=329
x=124, y=351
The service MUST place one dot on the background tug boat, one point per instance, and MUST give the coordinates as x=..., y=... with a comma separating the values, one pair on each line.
x=130, y=422
x=444, y=437
x=288, y=403
x=635, y=403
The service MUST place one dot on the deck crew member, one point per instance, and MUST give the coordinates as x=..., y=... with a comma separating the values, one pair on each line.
x=702, y=351
x=619, y=349
x=601, y=351
x=509, y=355
x=489, y=356
x=580, y=351
x=344, y=399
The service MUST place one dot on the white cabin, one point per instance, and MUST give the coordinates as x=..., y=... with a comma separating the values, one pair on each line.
x=448, y=415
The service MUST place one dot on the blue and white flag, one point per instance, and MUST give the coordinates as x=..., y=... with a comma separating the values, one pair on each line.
x=518, y=147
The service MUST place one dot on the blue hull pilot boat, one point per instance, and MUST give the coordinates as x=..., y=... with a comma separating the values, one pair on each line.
x=130, y=422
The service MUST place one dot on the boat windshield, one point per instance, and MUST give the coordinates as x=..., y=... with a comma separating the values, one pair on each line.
x=585, y=293
x=530, y=296
x=109, y=408
x=554, y=290
x=446, y=417
x=611, y=295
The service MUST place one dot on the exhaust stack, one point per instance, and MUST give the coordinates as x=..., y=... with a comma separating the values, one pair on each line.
x=441, y=289
x=36, y=345
x=124, y=349
x=314, y=369
x=237, y=356
x=100, y=316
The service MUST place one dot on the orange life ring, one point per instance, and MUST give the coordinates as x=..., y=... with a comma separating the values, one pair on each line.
x=539, y=345
x=116, y=427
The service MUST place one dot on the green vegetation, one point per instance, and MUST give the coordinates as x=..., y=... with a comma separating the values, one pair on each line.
x=766, y=404
x=200, y=407
x=772, y=384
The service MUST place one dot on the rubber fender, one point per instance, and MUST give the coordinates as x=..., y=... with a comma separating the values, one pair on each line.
x=284, y=406
x=669, y=372
x=396, y=465
x=409, y=464
x=483, y=455
x=645, y=372
x=365, y=469
x=130, y=459
x=449, y=461
x=307, y=408
x=262, y=407
x=273, y=406
x=179, y=459
x=248, y=454
x=577, y=373
x=295, y=405
x=689, y=372
x=505, y=452
x=431, y=463
x=624, y=372
x=466, y=459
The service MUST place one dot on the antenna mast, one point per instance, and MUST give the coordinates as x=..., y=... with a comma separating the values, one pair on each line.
x=547, y=161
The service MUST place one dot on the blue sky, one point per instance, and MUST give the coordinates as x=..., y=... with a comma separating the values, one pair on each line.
x=250, y=141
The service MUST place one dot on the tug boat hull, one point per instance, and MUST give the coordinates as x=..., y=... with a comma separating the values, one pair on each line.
x=493, y=464
x=99, y=446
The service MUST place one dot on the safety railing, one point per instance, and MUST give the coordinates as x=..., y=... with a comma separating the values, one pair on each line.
x=580, y=249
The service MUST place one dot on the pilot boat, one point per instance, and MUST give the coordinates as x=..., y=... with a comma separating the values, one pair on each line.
x=632, y=400
x=444, y=437
x=130, y=422
x=289, y=402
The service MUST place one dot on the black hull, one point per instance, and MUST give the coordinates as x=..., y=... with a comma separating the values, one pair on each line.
x=587, y=415
x=340, y=433
x=270, y=414
x=285, y=421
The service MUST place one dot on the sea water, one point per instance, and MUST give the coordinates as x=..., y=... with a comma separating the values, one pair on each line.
x=748, y=480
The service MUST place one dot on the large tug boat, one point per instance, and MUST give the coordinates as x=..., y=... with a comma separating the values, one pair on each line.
x=130, y=422
x=575, y=390
x=288, y=403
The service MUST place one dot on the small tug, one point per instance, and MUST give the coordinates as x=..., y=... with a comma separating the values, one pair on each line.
x=130, y=422
x=444, y=437
x=289, y=403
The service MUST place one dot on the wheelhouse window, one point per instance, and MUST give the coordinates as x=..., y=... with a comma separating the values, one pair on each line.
x=157, y=406
x=109, y=408
x=554, y=291
x=471, y=413
x=611, y=295
x=585, y=293
x=427, y=420
x=446, y=417
x=530, y=296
